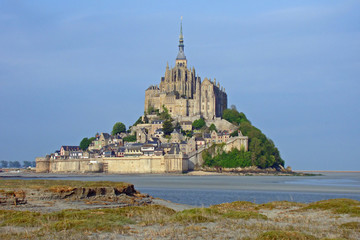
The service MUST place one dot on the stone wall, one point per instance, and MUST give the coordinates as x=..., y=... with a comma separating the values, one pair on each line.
x=76, y=165
x=42, y=164
x=125, y=165
x=146, y=164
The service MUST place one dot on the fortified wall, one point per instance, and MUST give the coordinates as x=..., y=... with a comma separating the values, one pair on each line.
x=143, y=164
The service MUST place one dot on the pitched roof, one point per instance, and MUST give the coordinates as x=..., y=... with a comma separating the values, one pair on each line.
x=174, y=149
x=106, y=135
x=71, y=148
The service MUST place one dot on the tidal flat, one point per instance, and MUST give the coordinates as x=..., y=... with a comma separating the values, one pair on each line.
x=59, y=209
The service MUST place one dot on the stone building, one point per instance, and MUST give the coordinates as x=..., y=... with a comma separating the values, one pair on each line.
x=183, y=93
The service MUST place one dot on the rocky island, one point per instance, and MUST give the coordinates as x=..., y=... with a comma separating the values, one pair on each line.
x=186, y=126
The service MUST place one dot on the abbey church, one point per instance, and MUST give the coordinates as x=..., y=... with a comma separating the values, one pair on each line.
x=183, y=94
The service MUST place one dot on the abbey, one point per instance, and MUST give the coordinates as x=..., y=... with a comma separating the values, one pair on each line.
x=183, y=94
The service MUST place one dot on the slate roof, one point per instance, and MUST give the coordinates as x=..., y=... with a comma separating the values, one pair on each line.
x=106, y=135
x=175, y=149
x=71, y=148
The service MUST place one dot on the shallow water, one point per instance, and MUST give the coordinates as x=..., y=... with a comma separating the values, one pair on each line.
x=209, y=190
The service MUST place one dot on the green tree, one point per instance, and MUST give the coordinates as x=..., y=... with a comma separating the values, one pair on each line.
x=139, y=121
x=198, y=124
x=118, y=127
x=84, y=144
x=233, y=116
x=178, y=127
x=167, y=127
x=14, y=164
x=130, y=138
x=262, y=151
x=212, y=128
x=164, y=115
x=27, y=164
x=4, y=164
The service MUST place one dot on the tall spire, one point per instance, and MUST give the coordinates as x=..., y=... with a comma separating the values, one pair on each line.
x=181, y=54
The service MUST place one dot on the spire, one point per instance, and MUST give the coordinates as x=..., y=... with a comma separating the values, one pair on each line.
x=181, y=54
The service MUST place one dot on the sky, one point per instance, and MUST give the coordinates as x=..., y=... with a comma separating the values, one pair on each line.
x=70, y=69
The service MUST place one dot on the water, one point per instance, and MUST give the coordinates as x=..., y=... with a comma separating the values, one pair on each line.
x=202, y=197
x=209, y=190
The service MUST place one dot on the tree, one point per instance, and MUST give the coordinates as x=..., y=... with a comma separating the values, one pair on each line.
x=14, y=164
x=178, y=127
x=4, y=164
x=27, y=164
x=167, y=127
x=130, y=138
x=164, y=115
x=84, y=144
x=262, y=151
x=119, y=127
x=198, y=124
x=233, y=116
x=139, y=121
x=212, y=128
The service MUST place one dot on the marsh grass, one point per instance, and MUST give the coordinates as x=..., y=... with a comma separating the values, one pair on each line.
x=285, y=235
x=337, y=206
x=333, y=219
x=351, y=225
x=280, y=205
x=216, y=213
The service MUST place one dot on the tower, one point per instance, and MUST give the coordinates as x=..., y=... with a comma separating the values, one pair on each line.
x=183, y=93
x=181, y=58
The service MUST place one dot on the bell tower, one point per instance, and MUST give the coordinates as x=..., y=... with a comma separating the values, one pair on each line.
x=181, y=59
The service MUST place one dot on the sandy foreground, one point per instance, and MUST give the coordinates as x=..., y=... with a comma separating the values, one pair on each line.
x=45, y=209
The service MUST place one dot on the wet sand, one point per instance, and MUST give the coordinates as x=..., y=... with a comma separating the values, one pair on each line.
x=328, y=182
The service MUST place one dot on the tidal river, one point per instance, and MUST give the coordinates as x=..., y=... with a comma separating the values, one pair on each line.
x=216, y=189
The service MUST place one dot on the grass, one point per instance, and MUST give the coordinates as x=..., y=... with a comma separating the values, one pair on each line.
x=281, y=205
x=337, y=206
x=351, y=225
x=333, y=219
x=285, y=235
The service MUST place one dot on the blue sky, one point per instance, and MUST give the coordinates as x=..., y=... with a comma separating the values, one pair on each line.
x=69, y=69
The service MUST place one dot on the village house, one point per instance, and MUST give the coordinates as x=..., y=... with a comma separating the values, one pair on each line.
x=67, y=151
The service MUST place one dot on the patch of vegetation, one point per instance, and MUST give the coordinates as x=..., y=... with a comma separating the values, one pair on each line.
x=262, y=151
x=20, y=218
x=337, y=206
x=280, y=204
x=130, y=138
x=198, y=124
x=91, y=220
x=244, y=215
x=85, y=142
x=237, y=205
x=285, y=235
x=118, y=127
x=351, y=225
x=195, y=215
x=231, y=159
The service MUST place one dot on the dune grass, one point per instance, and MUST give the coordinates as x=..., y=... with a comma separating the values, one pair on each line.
x=285, y=235
x=329, y=219
x=337, y=206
